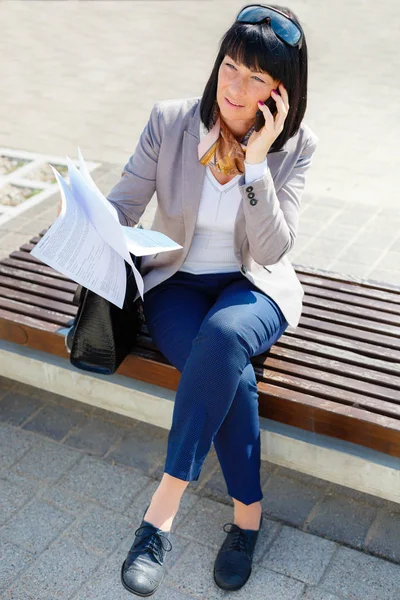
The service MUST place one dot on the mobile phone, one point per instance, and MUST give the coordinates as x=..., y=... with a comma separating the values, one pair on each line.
x=260, y=120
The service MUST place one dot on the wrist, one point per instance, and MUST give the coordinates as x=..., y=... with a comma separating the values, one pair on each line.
x=254, y=160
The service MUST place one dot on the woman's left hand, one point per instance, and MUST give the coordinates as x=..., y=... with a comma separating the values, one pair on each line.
x=261, y=141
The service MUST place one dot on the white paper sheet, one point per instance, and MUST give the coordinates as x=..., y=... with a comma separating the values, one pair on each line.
x=142, y=242
x=74, y=247
x=88, y=244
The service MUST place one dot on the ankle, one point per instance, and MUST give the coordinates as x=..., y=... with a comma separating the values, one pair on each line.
x=162, y=510
x=247, y=516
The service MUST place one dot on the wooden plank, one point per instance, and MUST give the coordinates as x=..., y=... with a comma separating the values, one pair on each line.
x=365, y=313
x=39, y=290
x=33, y=268
x=348, y=288
x=327, y=392
x=38, y=301
x=337, y=382
x=52, y=282
x=358, y=323
x=347, y=332
x=332, y=340
x=332, y=276
x=345, y=356
x=42, y=314
x=353, y=300
x=322, y=416
x=328, y=365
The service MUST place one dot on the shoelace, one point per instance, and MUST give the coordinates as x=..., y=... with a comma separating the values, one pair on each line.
x=238, y=540
x=154, y=542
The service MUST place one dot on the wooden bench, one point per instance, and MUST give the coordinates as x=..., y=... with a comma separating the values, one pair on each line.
x=337, y=373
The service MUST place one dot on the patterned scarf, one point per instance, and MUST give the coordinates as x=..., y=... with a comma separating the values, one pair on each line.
x=219, y=147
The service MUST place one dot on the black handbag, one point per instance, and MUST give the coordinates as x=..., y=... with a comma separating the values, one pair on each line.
x=102, y=334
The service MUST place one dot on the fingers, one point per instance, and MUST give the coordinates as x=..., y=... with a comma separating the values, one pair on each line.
x=282, y=105
x=266, y=112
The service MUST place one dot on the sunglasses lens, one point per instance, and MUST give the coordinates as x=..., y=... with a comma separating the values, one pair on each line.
x=283, y=27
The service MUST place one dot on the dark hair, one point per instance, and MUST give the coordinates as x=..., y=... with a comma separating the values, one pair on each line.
x=257, y=47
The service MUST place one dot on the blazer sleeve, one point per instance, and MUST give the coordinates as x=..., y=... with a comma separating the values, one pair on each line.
x=133, y=192
x=272, y=223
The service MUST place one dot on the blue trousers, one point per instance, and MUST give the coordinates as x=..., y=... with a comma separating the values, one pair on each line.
x=208, y=327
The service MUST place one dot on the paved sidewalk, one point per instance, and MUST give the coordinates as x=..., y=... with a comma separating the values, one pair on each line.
x=87, y=74
x=75, y=481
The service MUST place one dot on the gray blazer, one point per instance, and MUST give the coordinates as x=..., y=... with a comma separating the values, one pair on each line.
x=166, y=161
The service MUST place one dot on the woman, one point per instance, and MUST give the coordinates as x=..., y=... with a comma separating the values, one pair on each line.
x=230, y=195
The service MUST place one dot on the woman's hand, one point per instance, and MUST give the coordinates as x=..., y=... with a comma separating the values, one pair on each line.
x=261, y=141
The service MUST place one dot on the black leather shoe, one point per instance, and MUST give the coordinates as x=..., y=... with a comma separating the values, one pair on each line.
x=143, y=568
x=232, y=566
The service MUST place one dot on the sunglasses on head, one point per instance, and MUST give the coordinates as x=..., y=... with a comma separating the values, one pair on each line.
x=283, y=26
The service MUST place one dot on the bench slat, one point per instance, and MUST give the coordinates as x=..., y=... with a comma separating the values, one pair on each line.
x=42, y=314
x=322, y=416
x=33, y=268
x=353, y=300
x=358, y=324
x=323, y=390
x=340, y=308
x=337, y=382
x=8, y=319
x=38, y=301
x=363, y=284
x=333, y=340
x=37, y=290
x=323, y=283
x=66, y=286
x=330, y=365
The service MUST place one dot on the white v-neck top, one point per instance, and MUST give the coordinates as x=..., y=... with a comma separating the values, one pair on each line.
x=211, y=250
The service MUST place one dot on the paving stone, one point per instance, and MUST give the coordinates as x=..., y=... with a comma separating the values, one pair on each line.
x=95, y=435
x=358, y=576
x=205, y=521
x=57, y=573
x=302, y=477
x=14, y=443
x=262, y=584
x=299, y=555
x=15, y=491
x=193, y=572
x=384, y=536
x=36, y=526
x=33, y=392
x=15, y=408
x=335, y=489
x=112, y=486
x=144, y=448
x=6, y=384
x=67, y=502
x=289, y=500
x=313, y=593
x=13, y=561
x=100, y=531
x=342, y=519
x=54, y=421
x=47, y=461
x=106, y=584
